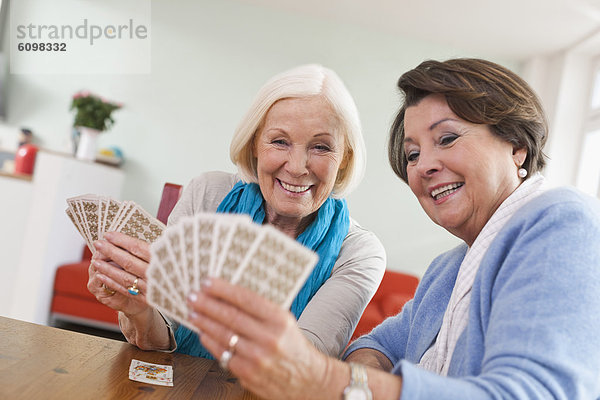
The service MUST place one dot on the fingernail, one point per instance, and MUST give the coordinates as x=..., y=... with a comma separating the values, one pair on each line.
x=193, y=297
x=108, y=235
x=98, y=244
x=192, y=315
x=97, y=264
x=205, y=283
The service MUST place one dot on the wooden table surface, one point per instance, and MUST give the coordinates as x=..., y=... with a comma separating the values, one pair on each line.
x=41, y=362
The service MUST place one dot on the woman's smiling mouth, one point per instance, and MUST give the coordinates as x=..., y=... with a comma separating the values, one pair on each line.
x=445, y=190
x=293, y=188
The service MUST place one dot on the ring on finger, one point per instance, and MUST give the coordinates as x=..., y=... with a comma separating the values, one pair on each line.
x=225, y=358
x=133, y=289
x=228, y=354
x=108, y=290
x=233, y=341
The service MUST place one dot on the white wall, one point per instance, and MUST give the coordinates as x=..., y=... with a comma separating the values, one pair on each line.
x=209, y=58
x=563, y=81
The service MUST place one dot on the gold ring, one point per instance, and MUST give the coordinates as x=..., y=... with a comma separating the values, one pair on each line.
x=133, y=289
x=108, y=290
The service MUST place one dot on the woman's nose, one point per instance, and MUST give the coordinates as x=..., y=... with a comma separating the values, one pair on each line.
x=297, y=163
x=428, y=163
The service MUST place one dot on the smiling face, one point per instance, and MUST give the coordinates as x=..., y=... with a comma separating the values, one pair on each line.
x=460, y=172
x=299, y=150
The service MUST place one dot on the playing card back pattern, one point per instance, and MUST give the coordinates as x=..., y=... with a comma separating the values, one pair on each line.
x=232, y=247
x=93, y=215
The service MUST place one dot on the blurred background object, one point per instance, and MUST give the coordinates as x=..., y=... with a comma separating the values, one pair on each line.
x=110, y=155
x=25, y=159
x=25, y=137
x=93, y=115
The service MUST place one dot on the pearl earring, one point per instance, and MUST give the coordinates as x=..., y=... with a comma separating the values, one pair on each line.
x=522, y=172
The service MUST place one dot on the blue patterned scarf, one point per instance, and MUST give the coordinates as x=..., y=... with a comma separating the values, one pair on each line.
x=324, y=236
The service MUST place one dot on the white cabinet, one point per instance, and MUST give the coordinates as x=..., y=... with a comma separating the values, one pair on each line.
x=43, y=236
x=15, y=198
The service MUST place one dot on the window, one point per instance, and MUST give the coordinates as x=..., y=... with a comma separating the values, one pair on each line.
x=588, y=179
x=596, y=91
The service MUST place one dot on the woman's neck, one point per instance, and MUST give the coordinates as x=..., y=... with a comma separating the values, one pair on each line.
x=291, y=226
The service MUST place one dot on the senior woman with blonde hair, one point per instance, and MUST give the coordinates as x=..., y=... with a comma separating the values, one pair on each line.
x=511, y=313
x=298, y=150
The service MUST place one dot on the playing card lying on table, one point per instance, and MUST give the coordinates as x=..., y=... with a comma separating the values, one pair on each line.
x=155, y=374
x=93, y=215
x=229, y=246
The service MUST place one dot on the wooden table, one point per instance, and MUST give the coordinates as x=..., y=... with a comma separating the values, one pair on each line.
x=40, y=362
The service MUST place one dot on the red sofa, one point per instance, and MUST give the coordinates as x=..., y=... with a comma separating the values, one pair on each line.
x=72, y=302
x=395, y=290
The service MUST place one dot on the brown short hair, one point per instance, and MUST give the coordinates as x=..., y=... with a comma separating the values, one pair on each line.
x=480, y=92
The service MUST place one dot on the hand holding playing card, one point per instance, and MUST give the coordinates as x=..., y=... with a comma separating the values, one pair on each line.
x=118, y=269
x=271, y=355
x=232, y=247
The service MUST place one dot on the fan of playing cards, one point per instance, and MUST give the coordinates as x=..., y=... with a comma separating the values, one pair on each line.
x=229, y=246
x=93, y=215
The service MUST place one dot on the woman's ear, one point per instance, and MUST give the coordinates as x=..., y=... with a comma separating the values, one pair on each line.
x=519, y=156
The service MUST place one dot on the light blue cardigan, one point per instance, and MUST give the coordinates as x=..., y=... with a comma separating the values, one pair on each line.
x=534, y=317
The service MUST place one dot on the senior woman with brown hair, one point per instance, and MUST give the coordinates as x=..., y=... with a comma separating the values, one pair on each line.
x=299, y=150
x=513, y=312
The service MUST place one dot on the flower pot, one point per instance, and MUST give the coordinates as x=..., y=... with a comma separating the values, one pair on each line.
x=88, y=143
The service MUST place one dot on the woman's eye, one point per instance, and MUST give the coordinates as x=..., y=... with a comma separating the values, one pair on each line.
x=412, y=156
x=322, y=147
x=278, y=141
x=447, y=139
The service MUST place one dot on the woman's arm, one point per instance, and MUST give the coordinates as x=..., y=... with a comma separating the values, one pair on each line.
x=329, y=319
x=147, y=330
x=371, y=358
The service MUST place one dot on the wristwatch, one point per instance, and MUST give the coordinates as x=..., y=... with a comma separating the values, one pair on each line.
x=358, y=388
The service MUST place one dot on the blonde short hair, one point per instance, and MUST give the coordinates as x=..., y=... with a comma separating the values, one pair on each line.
x=304, y=81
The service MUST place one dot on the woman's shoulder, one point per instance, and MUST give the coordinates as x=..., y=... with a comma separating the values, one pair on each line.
x=561, y=223
x=361, y=246
x=359, y=236
x=210, y=188
x=562, y=203
x=203, y=193
x=219, y=179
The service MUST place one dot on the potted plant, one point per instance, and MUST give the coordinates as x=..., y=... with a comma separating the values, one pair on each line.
x=93, y=115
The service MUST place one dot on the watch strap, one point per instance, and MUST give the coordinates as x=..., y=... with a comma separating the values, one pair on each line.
x=358, y=379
